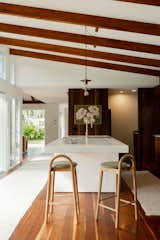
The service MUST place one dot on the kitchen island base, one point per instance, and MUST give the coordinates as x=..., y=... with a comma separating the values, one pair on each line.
x=89, y=155
x=87, y=173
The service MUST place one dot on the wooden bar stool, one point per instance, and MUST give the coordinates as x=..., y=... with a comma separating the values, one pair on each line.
x=61, y=166
x=126, y=162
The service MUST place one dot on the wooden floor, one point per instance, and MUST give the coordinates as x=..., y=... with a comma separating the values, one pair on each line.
x=63, y=227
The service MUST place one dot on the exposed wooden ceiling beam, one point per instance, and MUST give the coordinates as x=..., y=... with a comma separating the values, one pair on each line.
x=80, y=52
x=80, y=38
x=79, y=61
x=80, y=19
x=32, y=101
x=148, y=2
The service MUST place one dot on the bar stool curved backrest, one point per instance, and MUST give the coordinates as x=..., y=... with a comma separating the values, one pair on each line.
x=68, y=159
x=63, y=166
x=127, y=158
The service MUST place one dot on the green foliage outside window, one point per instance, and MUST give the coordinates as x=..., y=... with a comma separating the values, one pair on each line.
x=33, y=133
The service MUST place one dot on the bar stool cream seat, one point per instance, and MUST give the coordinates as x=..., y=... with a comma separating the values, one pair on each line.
x=126, y=163
x=114, y=165
x=63, y=166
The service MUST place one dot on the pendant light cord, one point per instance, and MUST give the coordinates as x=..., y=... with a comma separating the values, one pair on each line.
x=85, y=54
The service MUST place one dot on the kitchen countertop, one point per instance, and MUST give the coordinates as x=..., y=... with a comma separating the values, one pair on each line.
x=73, y=144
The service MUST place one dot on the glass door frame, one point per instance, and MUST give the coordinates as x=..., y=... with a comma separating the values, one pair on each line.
x=15, y=132
x=4, y=132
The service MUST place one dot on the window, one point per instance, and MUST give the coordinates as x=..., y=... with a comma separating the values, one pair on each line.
x=12, y=71
x=3, y=68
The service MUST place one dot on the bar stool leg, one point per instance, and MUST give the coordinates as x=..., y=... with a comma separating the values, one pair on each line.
x=77, y=195
x=48, y=197
x=74, y=193
x=118, y=199
x=99, y=192
x=135, y=193
x=116, y=190
x=52, y=191
x=75, y=184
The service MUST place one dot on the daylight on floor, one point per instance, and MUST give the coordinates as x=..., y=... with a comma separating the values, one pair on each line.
x=80, y=120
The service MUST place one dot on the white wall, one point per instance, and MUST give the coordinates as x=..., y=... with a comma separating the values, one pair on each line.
x=49, y=81
x=51, y=119
x=10, y=90
x=51, y=123
x=124, y=115
x=63, y=120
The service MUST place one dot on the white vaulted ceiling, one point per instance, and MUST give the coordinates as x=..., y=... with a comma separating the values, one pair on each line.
x=49, y=81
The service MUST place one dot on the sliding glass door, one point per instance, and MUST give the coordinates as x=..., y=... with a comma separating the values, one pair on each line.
x=3, y=132
x=18, y=132
x=15, y=143
x=10, y=113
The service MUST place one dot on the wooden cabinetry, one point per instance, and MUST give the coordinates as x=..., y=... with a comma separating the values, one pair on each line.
x=96, y=97
x=24, y=144
x=157, y=150
x=137, y=139
x=146, y=146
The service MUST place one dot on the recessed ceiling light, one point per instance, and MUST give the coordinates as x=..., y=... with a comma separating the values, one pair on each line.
x=133, y=90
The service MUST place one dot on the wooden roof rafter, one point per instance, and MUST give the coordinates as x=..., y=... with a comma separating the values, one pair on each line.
x=80, y=19
x=80, y=38
x=147, y=2
x=33, y=100
x=80, y=52
x=78, y=61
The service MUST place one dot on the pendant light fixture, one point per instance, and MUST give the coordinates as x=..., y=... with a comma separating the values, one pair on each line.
x=85, y=80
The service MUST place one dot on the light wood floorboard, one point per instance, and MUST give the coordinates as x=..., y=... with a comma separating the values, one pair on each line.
x=62, y=224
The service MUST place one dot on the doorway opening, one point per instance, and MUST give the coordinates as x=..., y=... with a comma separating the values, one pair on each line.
x=33, y=131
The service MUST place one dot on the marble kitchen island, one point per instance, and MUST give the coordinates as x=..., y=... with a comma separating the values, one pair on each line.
x=89, y=153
